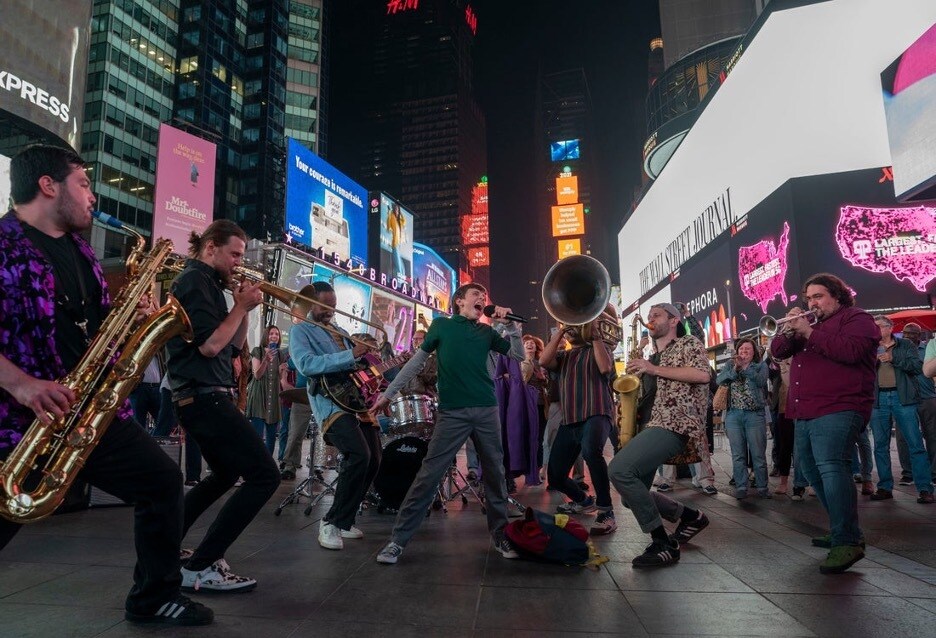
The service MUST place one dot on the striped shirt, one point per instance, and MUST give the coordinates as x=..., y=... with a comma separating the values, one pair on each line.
x=584, y=391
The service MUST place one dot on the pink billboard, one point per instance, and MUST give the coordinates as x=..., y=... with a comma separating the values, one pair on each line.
x=185, y=172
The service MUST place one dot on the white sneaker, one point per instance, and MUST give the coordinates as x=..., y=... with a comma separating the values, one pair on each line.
x=330, y=537
x=216, y=577
x=354, y=532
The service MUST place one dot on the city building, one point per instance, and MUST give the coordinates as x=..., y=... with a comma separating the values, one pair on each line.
x=413, y=127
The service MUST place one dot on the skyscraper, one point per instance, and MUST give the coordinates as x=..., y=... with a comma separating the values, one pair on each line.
x=420, y=135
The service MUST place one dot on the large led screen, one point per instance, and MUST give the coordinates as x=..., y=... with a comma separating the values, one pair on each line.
x=433, y=277
x=910, y=105
x=185, y=177
x=324, y=208
x=5, y=202
x=44, y=64
x=395, y=315
x=396, y=240
x=564, y=150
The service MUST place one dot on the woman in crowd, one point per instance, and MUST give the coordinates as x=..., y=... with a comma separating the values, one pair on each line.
x=536, y=377
x=263, y=401
x=745, y=420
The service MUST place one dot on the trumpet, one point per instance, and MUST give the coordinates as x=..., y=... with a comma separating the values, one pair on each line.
x=768, y=326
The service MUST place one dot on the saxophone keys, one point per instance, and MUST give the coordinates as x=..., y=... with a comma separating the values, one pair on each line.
x=81, y=436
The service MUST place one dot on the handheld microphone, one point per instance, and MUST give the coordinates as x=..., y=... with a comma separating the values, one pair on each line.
x=489, y=312
x=104, y=218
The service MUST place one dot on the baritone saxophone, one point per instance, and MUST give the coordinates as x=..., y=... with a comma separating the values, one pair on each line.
x=36, y=476
x=627, y=389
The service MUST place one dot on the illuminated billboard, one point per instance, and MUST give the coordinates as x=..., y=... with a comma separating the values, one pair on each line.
x=569, y=247
x=567, y=191
x=395, y=315
x=396, y=240
x=568, y=220
x=433, y=277
x=475, y=230
x=765, y=133
x=479, y=256
x=185, y=176
x=325, y=209
x=910, y=106
x=564, y=150
x=44, y=65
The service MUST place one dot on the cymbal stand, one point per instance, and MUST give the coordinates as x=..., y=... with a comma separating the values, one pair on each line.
x=320, y=461
x=455, y=485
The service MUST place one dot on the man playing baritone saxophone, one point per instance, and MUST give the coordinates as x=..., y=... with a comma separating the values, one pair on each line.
x=467, y=407
x=54, y=300
x=202, y=379
x=677, y=419
x=316, y=352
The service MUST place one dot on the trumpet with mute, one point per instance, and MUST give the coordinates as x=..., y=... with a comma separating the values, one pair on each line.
x=769, y=326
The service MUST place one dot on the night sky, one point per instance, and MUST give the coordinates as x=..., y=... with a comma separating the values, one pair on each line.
x=609, y=39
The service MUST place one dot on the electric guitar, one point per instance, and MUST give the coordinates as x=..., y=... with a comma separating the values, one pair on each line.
x=357, y=390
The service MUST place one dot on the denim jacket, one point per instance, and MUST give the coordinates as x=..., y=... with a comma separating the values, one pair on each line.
x=755, y=375
x=314, y=353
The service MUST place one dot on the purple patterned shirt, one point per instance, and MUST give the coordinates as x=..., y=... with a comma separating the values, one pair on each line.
x=27, y=319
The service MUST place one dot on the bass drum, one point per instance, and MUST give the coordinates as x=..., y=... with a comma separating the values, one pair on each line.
x=398, y=468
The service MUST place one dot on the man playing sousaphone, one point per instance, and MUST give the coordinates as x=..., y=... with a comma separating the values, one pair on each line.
x=322, y=348
x=677, y=420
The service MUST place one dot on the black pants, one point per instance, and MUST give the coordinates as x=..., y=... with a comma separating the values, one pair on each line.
x=129, y=464
x=232, y=449
x=360, y=445
x=783, y=443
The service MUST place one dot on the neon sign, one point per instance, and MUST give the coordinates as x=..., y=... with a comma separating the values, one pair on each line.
x=396, y=6
x=762, y=269
x=471, y=20
x=899, y=241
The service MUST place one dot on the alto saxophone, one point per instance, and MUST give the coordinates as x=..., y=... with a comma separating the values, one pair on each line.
x=627, y=389
x=109, y=370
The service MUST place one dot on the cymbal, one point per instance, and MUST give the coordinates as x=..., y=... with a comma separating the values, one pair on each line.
x=296, y=395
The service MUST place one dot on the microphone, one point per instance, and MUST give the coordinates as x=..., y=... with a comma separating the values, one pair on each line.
x=104, y=218
x=489, y=312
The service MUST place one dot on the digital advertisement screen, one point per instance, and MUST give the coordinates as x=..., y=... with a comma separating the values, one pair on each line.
x=433, y=276
x=568, y=220
x=909, y=85
x=567, y=191
x=324, y=208
x=185, y=177
x=44, y=65
x=396, y=316
x=396, y=239
x=564, y=150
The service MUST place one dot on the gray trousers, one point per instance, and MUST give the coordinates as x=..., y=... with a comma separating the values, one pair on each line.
x=298, y=424
x=452, y=429
x=631, y=472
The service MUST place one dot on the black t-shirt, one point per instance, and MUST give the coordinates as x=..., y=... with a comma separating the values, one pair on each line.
x=200, y=290
x=77, y=294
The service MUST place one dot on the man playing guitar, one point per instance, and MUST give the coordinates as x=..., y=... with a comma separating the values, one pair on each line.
x=317, y=352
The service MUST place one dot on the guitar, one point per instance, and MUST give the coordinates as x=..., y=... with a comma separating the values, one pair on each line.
x=357, y=390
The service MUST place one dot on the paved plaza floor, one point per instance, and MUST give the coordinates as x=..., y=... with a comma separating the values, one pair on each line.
x=751, y=573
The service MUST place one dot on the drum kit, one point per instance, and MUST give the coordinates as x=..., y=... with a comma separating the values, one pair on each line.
x=405, y=445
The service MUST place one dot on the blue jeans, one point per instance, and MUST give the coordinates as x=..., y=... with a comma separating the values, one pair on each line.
x=266, y=432
x=283, y=434
x=823, y=449
x=908, y=422
x=167, y=421
x=587, y=438
x=747, y=431
x=861, y=456
x=145, y=401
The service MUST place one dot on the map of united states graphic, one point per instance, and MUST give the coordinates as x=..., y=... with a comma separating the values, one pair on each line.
x=899, y=241
x=762, y=268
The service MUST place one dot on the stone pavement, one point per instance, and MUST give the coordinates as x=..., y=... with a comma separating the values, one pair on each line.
x=751, y=573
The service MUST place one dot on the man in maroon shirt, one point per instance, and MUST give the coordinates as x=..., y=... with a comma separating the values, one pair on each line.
x=830, y=398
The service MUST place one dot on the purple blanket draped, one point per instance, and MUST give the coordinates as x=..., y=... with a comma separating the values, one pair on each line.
x=519, y=420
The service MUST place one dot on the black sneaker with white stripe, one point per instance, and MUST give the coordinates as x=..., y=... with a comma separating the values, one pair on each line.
x=658, y=554
x=686, y=531
x=178, y=611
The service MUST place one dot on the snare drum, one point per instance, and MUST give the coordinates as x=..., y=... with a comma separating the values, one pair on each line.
x=413, y=413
